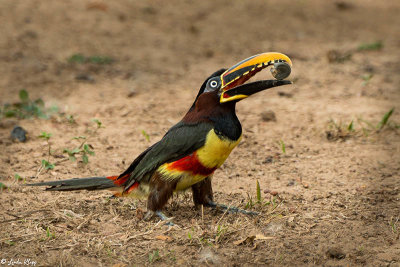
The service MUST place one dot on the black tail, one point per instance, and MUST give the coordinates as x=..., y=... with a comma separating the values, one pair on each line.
x=92, y=183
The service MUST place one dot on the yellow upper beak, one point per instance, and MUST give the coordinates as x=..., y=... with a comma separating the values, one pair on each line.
x=244, y=70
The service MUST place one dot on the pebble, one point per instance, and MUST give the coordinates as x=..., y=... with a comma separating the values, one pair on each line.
x=84, y=77
x=274, y=193
x=268, y=115
x=268, y=159
x=336, y=253
x=18, y=133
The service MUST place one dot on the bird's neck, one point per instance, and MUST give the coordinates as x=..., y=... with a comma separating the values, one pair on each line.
x=223, y=117
x=227, y=125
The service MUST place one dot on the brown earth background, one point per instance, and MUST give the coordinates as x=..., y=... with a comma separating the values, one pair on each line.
x=331, y=198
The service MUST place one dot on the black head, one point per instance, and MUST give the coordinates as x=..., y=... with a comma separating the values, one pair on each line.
x=229, y=84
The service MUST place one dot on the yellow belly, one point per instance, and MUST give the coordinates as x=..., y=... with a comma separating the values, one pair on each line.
x=212, y=155
x=187, y=180
x=216, y=150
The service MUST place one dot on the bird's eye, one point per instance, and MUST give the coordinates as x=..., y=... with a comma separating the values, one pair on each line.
x=213, y=84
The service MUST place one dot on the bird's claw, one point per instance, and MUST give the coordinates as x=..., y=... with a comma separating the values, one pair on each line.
x=162, y=216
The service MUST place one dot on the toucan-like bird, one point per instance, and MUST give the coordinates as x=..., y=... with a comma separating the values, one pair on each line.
x=190, y=152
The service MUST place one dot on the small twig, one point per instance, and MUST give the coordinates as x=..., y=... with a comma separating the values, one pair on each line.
x=21, y=216
x=48, y=144
x=137, y=235
x=274, y=208
x=84, y=222
x=87, y=138
x=147, y=232
x=39, y=171
x=237, y=230
x=17, y=237
x=274, y=216
x=63, y=247
x=61, y=160
x=224, y=213
x=25, y=241
x=16, y=216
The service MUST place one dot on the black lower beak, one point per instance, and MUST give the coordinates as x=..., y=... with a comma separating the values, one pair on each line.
x=255, y=87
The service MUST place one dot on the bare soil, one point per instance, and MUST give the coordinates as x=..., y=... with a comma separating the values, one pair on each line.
x=331, y=198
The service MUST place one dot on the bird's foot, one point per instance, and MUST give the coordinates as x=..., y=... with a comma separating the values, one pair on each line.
x=230, y=209
x=162, y=216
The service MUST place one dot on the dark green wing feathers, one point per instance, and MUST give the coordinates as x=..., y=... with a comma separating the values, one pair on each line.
x=180, y=141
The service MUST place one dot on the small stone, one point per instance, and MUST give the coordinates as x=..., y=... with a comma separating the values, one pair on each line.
x=291, y=183
x=84, y=77
x=268, y=159
x=285, y=94
x=274, y=193
x=342, y=5
x=132, y=93
x=268, y=115
x=336, y=253
x=18, y=133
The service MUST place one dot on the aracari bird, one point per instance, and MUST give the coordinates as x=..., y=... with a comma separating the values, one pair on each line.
x=190, y=152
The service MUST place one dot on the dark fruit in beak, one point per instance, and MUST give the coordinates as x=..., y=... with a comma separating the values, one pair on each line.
x=281, y=70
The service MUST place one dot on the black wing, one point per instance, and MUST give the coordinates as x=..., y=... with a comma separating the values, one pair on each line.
x=180, y=141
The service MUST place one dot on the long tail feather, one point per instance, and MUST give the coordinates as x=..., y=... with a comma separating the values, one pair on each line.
x=91, y=183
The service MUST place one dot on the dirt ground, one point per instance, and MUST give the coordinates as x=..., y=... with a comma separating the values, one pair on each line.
x=330, y=196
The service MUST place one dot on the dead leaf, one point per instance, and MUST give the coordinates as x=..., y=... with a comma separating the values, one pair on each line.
x=263, y=237
x=164, y=238
x=139, y=214
x=97, y=5
x=245, y=241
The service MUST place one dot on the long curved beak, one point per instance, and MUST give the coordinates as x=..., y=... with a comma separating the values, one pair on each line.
x=233, y=79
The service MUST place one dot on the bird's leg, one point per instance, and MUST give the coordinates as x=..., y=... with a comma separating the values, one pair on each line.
x=160, y=192
x=203, y=195
x=202, y=192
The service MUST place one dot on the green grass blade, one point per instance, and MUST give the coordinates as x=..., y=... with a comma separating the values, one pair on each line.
x=370, y=46
x=258, y=192
x=146, y=135
x=351, y=126
x=385, y=119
